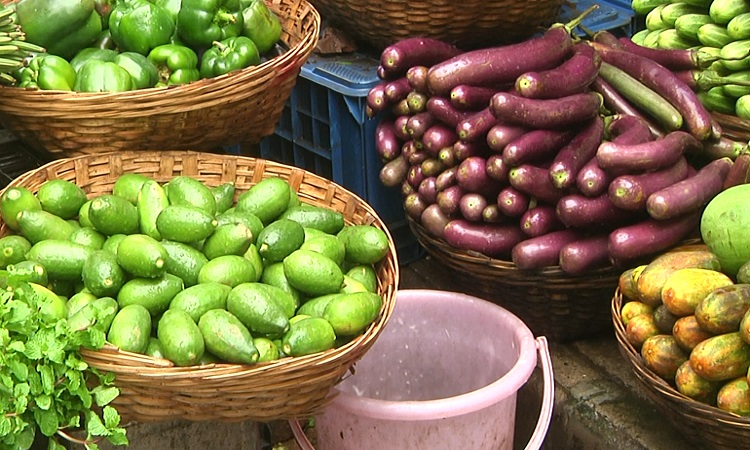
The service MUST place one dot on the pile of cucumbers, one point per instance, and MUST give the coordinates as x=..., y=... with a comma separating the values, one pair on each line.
x=192, y=273
x=715, y=27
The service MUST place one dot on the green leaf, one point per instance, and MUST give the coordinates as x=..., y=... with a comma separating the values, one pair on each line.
x=47, y=421
x=54, y=445
x=19, y=370
x=94, y=425
x=105, y=395
x=25, y=439
x=118, y=437
x=43, y=401
x=48, y=379
x=111, y=417
x=83, y=393
x=17, y=346
x=5, y=425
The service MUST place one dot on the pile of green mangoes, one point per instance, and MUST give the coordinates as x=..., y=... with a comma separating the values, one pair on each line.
x=192, y=273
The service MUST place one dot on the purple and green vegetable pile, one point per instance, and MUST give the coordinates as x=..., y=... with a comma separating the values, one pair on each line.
x=554, y=151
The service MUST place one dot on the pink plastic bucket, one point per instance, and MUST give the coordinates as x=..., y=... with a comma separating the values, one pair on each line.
x=443, y=374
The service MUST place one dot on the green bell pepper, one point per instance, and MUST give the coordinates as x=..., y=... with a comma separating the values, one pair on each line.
x=103, y=76
x=231, y=54
x=175, y=63
x=202, y=22
x=45, y=71
x=89, y=53
x=139, y=26
x=142, y=71
x=171, y=6
x=261, y=25
x=63, y=27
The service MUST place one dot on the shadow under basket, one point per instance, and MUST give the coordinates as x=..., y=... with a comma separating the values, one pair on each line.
x=154, y=389
x=240, y=107
x=708, y=426
x=551, y=302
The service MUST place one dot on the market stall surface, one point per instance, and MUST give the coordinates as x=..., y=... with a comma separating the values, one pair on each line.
x=599, y=404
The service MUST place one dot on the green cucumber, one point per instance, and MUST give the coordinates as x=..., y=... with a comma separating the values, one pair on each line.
x=687, y=26
x=714, y=35
x=651, y=39
x=716, y=100
x=671, y=12
x=639, y=36
x=739, y=26
x=653, y=19
x=643, y=7
x=742, y=107
x=670, y=39
x=722, y=11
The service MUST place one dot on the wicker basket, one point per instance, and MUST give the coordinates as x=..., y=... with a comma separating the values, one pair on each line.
x=153, y=389
x=733, y=127
x=707, y=425
x=237, y=108
x=551, y=302
x=468, y=24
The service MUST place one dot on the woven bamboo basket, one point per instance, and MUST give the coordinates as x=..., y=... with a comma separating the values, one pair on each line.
x=706, y=425
x=552, y=303
x=467, y=24
x=153, y=389
x=733, y=127
x=237, y=108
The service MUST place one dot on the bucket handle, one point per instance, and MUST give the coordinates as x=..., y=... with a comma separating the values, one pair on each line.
x=548, y=396
x=544, y=360
x=300, y=436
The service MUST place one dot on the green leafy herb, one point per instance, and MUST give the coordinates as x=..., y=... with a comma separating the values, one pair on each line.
x=45, y=385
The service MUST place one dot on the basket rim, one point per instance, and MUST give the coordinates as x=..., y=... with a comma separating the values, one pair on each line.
x=481, y=260
x=656, y=384
x=150, y=367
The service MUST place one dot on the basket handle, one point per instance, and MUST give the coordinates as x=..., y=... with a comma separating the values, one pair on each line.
x=300, y=436
x=548, y=395
x=545, y=415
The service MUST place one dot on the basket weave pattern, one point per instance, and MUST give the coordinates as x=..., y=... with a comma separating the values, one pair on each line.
x=707, y=425
x=153, y=389
x=733, y=127
x=236, y=108
x=468, y=24
x=551, y=303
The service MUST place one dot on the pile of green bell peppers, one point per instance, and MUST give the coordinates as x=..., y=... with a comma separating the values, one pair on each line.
x=119, y=45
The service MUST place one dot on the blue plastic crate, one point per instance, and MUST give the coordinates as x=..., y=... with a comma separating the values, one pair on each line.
x=324, y=129
x=616, y=16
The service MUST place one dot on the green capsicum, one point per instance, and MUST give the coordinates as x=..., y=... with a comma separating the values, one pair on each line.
x=45, y=71
x=176, y=64
x=260, y=24
x=142, y=71
x=89, y=53
x=139, y=26
x=230, y=54
x=202, y=22
x=171, y=6
x=102, y=76
x=63, y=27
